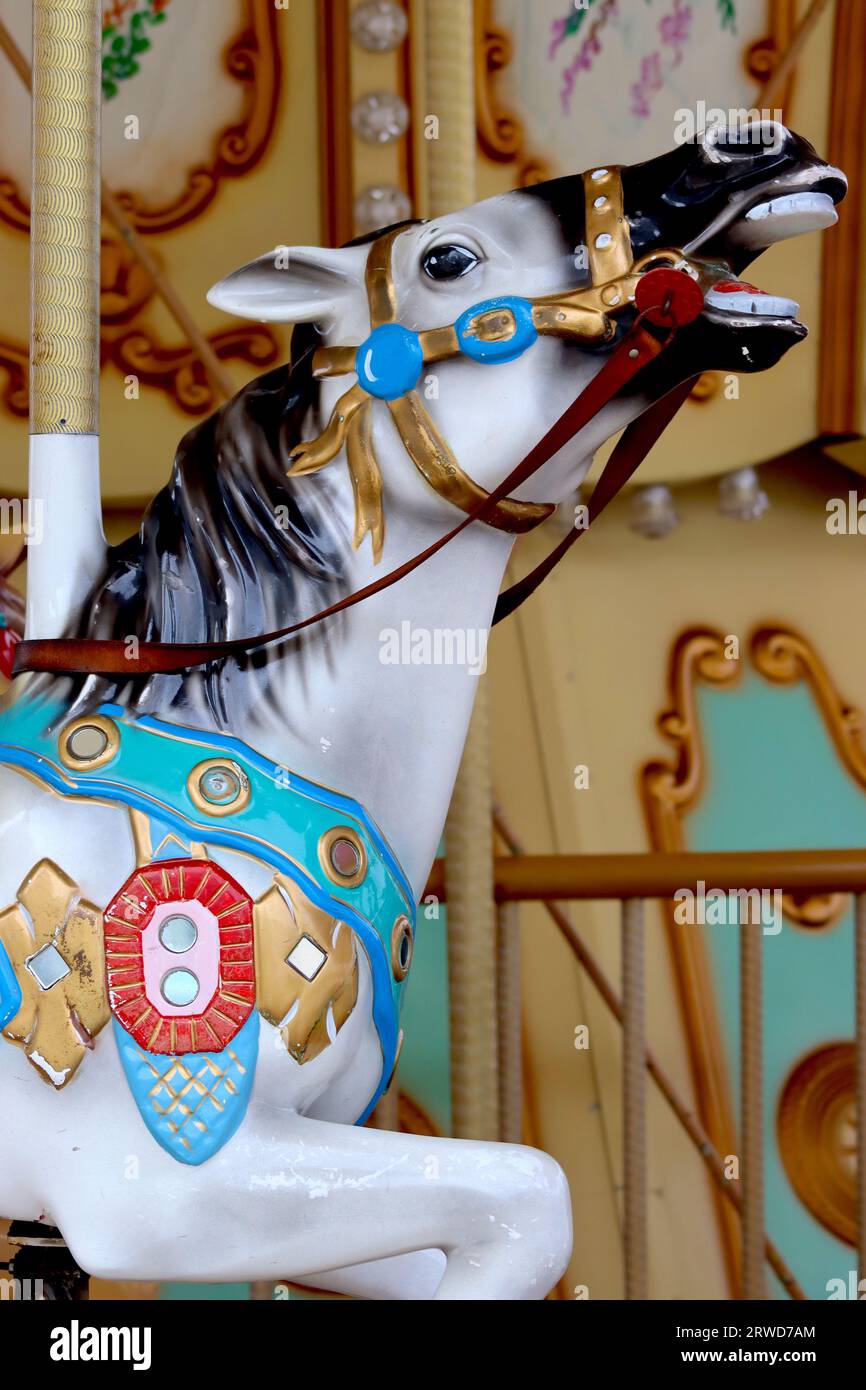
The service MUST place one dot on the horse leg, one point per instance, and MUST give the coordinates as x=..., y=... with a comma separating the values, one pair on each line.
x=292, y=1197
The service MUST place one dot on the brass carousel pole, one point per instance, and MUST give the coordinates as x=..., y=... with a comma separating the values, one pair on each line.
x=449, y=79
x=64, y=314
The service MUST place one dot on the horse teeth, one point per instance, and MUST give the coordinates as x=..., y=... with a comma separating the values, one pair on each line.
x=745, y=302
x=792, y=203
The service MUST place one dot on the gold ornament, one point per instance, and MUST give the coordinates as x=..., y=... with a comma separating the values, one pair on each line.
x=54, y=941
x=306, y=969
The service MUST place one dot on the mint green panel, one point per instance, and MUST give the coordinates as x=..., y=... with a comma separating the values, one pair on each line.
x=425, y=1071
x=774, y=781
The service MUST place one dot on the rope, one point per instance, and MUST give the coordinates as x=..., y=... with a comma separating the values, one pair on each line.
x=472, y=952
x=508, y=1000
x=634, y=1098
x=751, y=1108
x=693, y=1128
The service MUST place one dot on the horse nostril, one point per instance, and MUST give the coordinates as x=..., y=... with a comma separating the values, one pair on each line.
x=746, y=140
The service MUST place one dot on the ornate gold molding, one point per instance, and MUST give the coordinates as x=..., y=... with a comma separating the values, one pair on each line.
x=134, y=349
x=253, y=60
x=671, y=788
x=783, y=657
x=817, y=1130
x=761, y=57
x=501, y=133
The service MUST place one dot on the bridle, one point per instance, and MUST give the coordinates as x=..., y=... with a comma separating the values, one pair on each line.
x=661, y=287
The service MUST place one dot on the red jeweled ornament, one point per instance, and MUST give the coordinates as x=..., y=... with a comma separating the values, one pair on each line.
x=179, y=956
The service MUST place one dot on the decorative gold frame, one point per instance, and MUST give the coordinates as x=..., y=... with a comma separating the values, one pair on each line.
x=253, y=60
x=669, y=789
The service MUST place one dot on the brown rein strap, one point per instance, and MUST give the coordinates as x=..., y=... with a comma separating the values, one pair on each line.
x=95, y=656
x=631, y=450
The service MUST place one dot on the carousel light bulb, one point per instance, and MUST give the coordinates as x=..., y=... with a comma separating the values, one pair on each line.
x=380, y=205
x=741, y=495
x=380, y=118
x=653, y=514
x=380, y=26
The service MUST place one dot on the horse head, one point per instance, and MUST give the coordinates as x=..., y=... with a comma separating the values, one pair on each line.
x=572, y=250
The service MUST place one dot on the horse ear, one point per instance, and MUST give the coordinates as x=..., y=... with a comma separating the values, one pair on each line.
x=293, y=284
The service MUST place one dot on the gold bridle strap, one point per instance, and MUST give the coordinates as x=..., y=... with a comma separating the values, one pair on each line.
x=584, y=314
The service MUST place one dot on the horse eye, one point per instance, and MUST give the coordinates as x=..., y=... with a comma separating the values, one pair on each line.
x=449, y=262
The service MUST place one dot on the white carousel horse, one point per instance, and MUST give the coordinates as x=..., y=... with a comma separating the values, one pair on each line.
x=208, y=1130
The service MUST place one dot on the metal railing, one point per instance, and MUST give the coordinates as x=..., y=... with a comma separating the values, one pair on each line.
x=630, y=879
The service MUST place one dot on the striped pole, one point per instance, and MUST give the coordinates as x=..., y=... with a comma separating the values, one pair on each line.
x=67, y=545
x=449, y=83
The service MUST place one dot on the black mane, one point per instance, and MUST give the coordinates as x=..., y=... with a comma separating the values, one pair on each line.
x=229, y=547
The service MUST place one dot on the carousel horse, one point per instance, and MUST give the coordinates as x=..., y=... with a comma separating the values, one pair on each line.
x=222, y=794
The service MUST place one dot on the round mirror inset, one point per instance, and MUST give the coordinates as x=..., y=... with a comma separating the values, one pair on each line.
x=178, y=934
x=180, y=988
x=219, y=787
x=401, y=947
x=345, y=858
x=87, y=742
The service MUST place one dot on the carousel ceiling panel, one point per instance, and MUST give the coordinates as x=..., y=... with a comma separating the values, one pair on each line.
x=607, y=80
x=561, y=88
x=220, y=96
x=163, y=67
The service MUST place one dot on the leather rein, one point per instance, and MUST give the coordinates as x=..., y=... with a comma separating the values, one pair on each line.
x=661, y=289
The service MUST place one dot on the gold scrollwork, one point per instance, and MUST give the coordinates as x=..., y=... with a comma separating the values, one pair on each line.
x=762, y=56
x=253, y=60
x=501, y=133
x=670, y=788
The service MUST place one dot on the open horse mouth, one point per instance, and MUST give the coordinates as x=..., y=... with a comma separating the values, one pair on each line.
x=751, y=229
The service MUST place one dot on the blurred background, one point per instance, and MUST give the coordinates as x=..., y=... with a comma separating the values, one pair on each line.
x=617, y=713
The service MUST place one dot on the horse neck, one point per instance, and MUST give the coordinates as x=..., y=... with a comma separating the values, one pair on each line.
x=364, y=710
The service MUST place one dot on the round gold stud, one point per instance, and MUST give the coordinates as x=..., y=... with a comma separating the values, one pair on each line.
x=89, y=742
x=343, y=857
x=402, y=946
x=219, y=787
